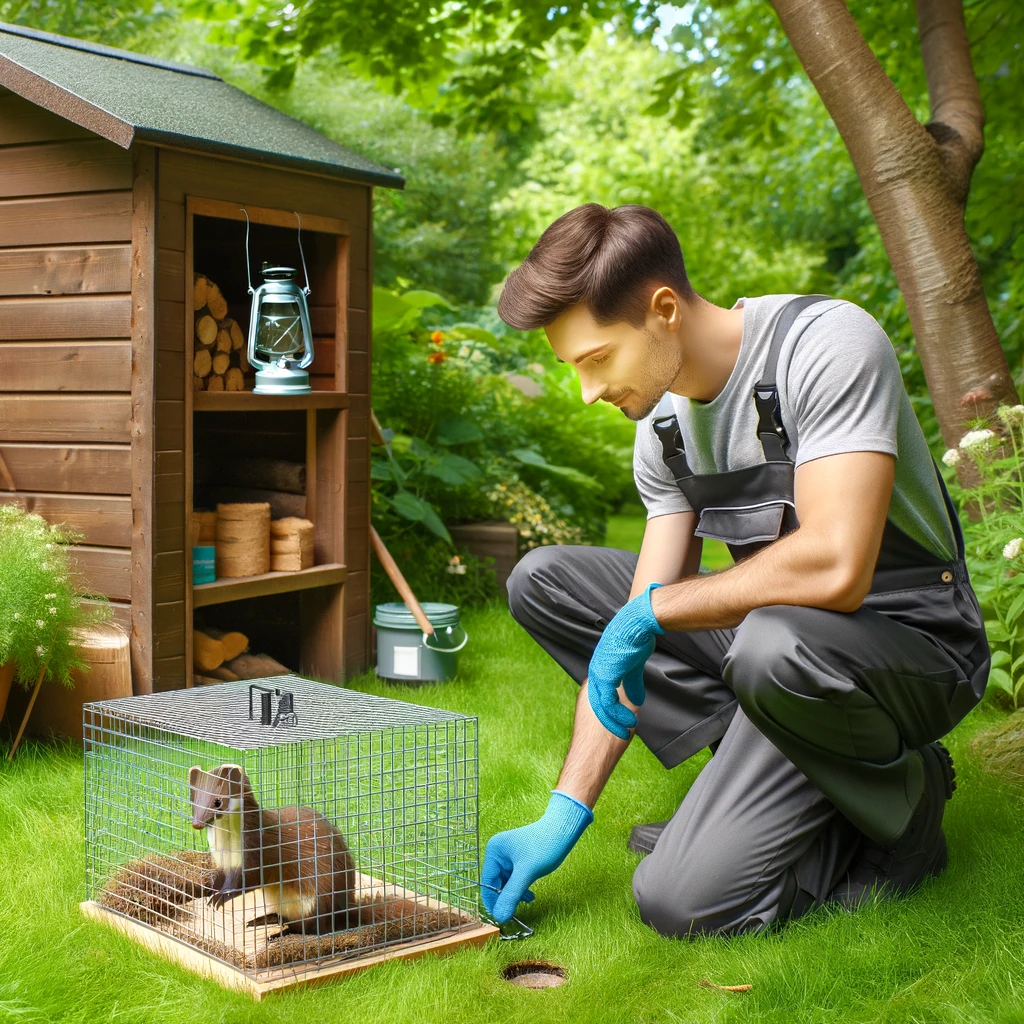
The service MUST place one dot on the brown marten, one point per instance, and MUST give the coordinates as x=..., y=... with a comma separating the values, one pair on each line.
x=294, y=854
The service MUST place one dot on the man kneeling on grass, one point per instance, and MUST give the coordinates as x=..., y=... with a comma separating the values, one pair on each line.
x=822, y=668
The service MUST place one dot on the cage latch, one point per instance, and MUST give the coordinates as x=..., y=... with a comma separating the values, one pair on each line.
x=285, y=706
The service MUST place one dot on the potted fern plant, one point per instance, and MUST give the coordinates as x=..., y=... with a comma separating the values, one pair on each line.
x=40, y=605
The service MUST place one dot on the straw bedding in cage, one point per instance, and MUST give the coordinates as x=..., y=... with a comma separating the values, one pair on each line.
x=170, y=895
x=243, y=539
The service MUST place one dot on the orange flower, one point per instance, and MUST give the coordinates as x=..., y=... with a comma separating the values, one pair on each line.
x=437, y=337
x=436, y=357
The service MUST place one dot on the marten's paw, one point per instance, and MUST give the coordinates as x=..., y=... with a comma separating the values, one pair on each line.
x=267, y=919
x=222, y=896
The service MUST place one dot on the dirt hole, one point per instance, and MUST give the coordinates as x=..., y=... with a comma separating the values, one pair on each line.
x=534, y=974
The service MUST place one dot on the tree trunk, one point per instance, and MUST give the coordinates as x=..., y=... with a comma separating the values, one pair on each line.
x=916, y=178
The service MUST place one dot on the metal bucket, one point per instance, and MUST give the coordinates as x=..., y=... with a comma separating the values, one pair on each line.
x=401, y=654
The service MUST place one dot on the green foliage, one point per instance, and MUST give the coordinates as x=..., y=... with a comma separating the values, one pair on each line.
x=487, y=424
x=995, y=538
x=597, y=145
x=40, y=605
x=435, y=569
x=469, y=63
x=113, y=23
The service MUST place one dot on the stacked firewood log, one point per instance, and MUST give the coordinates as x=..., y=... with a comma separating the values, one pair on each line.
x=223, y=657
x=219, y=361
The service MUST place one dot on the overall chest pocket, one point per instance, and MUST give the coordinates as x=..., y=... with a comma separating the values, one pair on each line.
x=742, y=525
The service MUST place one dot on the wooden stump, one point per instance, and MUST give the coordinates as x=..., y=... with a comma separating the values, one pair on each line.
x=105, y=649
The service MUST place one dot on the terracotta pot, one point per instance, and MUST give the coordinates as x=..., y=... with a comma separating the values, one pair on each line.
x=6, y=678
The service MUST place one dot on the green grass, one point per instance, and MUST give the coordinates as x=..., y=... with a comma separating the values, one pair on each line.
x=953, y=952
x=627, y=531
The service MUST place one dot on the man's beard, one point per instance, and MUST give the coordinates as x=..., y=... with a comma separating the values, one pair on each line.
x=660, y=373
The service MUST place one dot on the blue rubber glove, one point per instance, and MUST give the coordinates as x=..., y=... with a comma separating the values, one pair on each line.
x=620, y=655
x=514, y=860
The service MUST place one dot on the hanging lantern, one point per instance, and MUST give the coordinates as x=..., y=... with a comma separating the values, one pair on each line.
x=280, y=332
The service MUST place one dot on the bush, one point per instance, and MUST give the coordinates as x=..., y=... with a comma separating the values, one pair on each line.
x=994, y=540
x=40, y=606
x=487, y=426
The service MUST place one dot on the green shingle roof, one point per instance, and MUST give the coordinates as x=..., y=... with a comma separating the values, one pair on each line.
x=127, y=96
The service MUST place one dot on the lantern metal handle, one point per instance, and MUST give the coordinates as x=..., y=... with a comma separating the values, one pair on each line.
x=302, y=255
x=248, y=275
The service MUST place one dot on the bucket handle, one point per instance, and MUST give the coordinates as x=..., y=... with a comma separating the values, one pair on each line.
x=445, y=650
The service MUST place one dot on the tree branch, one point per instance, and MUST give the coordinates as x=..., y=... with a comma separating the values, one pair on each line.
x=957, y=114
x=883, y=136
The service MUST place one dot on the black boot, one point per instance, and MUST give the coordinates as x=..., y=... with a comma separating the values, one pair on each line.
x=920, y=852
x=643, y=837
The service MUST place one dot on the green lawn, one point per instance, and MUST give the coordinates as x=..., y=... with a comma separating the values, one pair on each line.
x=953, y=952
x=627, y=531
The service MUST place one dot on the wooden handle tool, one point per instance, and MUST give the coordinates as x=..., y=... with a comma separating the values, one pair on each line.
x=396, y=577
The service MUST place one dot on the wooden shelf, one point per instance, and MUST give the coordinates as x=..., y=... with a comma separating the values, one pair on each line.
x=242, y=587
x=240, y=401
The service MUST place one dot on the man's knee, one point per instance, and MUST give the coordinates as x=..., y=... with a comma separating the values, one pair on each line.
x=690, y=906
x=761, y=658
x=673, y=906
x=523, y=580
x=534, y=577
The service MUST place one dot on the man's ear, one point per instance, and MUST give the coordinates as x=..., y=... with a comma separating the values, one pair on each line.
x=666, y=305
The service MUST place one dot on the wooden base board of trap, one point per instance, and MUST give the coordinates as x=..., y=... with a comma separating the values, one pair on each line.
x=265, y=982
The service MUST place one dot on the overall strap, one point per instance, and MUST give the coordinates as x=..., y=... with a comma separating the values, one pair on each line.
x=672, y=452
x=770, y=431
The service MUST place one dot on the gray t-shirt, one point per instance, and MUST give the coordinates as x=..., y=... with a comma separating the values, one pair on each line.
x=840, y=390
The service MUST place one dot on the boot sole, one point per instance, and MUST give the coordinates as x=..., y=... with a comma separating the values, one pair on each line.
x=944, y=759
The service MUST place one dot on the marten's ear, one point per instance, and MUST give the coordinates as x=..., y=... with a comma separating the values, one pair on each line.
x=233, y=774
x=195, y=773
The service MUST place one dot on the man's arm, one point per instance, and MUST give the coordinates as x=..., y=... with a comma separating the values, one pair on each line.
x=827, y=562
x=669, y=552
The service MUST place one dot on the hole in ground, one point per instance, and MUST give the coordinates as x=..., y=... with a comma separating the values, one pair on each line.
x=534, y=974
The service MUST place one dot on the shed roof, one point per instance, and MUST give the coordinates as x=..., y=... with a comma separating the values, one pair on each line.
x=127, y=96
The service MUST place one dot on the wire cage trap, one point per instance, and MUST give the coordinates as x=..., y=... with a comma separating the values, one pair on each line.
x=273, y=832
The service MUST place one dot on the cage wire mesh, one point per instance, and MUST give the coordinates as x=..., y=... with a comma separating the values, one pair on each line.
x=351, y=830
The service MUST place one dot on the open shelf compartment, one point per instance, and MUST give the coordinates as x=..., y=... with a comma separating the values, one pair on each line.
x=309, y=429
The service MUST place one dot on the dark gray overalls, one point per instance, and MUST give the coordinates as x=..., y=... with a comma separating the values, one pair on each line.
x=818, y=711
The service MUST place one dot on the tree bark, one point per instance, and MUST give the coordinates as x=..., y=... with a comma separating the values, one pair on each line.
x=915, y=178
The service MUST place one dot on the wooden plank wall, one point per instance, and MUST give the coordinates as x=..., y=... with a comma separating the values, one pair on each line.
x=357, y=457
x=182, y=174
x=65, y=335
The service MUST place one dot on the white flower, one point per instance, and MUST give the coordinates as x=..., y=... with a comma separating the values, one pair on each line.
x=952, y=457
x=977, y=438
x=1012, y=550
x=40, y=650
x=17, y=615
x=455, y=566
x=49, y=547
x=49, y=597
x=40, y=623
x=53, y=611
x=1011, y=414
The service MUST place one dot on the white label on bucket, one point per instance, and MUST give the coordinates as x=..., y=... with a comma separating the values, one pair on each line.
x=407, y=661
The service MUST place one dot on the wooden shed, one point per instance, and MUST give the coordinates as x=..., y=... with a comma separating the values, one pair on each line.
x=120, y=176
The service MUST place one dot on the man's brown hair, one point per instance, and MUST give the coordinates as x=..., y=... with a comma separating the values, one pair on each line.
x=610, y=260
